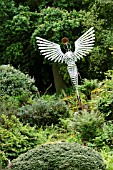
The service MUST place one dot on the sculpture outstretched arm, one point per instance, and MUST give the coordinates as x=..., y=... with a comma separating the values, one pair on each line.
x=84, y=44
x=50, y=50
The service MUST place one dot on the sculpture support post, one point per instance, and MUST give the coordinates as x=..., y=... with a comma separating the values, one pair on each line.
x=79, y=102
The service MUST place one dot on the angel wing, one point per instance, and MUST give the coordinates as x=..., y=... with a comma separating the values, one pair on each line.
x=84, y=44
x=50, y=50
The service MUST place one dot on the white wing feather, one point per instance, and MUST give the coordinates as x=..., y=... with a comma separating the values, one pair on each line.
x=84, y=44
x=50, y=50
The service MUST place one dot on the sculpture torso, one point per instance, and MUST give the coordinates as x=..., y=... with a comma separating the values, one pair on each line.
x=72, y=68
x=70, y=58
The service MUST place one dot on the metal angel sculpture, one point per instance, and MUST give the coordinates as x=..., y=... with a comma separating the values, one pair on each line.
x=83, y=46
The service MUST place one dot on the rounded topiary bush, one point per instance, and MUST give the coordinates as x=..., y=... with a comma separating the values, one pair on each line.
x=14, y=83
x=62, y=155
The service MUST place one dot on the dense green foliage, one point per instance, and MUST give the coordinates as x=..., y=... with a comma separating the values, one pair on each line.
x=16, y=138
x=59, y=156
x=23, y=20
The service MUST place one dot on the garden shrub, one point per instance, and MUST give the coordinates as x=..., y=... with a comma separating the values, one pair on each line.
x=9, y=105
x=15, y=138
x=42, y=112
x=105, y=106
x=61, y=155
x=107, y=155
x=87, y=124
x=105, y=136
x=88, y=86
x=105, y=103
x=15, y=83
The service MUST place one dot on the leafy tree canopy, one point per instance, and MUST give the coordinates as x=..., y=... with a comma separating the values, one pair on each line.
x=22, y=20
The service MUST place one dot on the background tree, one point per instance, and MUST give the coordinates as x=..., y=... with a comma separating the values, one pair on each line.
x=22, y=20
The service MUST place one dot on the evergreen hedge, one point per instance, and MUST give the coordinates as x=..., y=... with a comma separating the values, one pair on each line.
x=59, y=156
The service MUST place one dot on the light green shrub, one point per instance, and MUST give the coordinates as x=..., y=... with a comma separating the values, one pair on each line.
x=87, y=124
x=105, y=136
x=107, y=155
x=15, y=138
x=59, y=156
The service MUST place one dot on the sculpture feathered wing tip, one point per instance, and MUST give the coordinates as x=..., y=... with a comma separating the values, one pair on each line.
x=84, y=44
x=50, y=50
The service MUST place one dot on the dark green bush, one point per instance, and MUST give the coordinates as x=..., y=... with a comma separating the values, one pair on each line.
x=43, y=112
x=15, y=138
x=15, y=83
x=55, y=156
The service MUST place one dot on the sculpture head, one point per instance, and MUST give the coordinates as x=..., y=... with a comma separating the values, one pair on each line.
x=65, y=41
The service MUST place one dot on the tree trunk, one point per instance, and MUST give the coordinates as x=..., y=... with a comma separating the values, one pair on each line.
x=58, y=78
